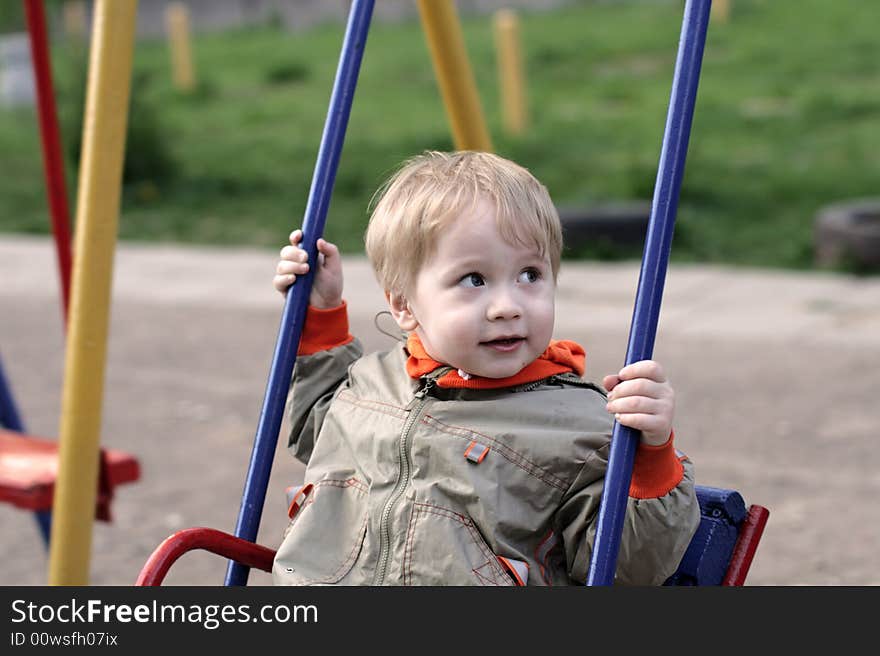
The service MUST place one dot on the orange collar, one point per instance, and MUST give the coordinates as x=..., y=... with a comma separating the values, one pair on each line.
x=561, y=356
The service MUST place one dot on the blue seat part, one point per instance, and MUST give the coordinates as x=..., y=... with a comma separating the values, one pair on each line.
x=707, y=557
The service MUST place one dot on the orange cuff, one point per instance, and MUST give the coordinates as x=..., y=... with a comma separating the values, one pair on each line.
x=656, y=470
x=324, y=329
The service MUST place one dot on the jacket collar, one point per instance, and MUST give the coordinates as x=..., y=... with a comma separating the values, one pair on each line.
x=561, y=356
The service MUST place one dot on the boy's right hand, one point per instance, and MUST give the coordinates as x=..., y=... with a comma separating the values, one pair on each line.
x=327, y=285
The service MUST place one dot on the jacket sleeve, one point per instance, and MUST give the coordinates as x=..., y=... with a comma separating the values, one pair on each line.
x=662, y=516
x=325, y=353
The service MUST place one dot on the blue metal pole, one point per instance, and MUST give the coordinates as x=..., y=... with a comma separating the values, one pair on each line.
x=625, y=440
x=10, y=419
x=297, y=301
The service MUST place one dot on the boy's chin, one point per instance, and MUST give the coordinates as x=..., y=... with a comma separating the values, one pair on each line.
x=497, y=373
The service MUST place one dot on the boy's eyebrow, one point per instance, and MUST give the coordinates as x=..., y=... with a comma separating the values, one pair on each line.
x=475, y=263
x=464, y=264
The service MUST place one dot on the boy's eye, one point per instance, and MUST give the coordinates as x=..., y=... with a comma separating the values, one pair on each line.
x=529, y=275
x=472, y=280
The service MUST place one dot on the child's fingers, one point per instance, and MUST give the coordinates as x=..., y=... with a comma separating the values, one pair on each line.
x=640, y=387
x=639, y=421
x=610, y=382
x=642, y=422
x=637, y=405
x=643, y=369
x=294, y=254
x=282, y=281
x=329, y=253
x=327, y=248
x=286, y=267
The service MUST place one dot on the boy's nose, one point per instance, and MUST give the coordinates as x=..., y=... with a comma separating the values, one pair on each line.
x=503, y=306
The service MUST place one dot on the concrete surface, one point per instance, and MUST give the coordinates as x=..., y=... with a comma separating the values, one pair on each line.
x=776, y=375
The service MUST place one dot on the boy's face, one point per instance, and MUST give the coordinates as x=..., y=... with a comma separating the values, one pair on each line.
x=479, y=303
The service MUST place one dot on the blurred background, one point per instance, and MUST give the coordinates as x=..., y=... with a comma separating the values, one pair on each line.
x=786, y=121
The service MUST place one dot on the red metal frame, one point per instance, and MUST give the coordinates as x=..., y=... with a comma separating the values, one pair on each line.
x=53, y=161
x=746, y=544
x=217, y=542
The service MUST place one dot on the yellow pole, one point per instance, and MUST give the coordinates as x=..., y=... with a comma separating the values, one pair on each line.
x=97, y=218
x=74, y=17
x=510, y=71
x=177, y=24
x=454, y=76
x=720, y=11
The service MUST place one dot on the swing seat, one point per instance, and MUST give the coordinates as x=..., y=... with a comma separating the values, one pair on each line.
x=722, y=549
x=720, y=553
x=29, y=467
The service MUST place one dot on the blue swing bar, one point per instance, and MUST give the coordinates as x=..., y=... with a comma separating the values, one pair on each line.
x=296, y=304
x=9, y=417
x=658, y=241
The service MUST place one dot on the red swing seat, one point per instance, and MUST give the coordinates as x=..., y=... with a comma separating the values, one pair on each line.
x=29, y=467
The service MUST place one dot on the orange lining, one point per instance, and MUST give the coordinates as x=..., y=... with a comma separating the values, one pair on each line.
x=657, y=470
x=295, y=504
x=324, y=330
x=560, y=356
x=512, y=570
x=477, y=459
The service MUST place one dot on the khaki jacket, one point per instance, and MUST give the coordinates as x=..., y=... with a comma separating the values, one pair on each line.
x=411, y=484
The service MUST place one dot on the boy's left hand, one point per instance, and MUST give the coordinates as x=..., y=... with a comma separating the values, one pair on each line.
x=639, y=396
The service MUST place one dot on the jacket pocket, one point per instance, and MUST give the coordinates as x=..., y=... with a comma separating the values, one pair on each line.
x=325, y=534
x=444, y=547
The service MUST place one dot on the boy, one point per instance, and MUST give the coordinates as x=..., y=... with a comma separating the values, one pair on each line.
x=474, y=453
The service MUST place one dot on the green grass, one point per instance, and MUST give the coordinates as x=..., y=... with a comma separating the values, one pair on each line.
x=787, y=121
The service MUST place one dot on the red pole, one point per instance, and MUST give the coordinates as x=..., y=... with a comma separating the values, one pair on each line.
x=166, y=554
x=53, y=162
x=746, y=544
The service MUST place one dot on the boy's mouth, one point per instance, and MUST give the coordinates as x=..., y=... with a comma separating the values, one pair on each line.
x=504, y=343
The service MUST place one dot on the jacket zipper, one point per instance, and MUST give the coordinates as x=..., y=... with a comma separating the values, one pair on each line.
x=414, y=408
x=557, y=378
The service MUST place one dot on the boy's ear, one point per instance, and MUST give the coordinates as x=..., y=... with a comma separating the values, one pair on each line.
x=401, y=311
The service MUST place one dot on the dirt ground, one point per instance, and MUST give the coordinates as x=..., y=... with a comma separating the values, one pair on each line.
x=776, y=377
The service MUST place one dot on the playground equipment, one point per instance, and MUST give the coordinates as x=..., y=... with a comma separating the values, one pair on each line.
x=514, y=108
x=649, y=293
x=724, y=545
x=177, y=26
x=29, y=467
x=454, y=76
x=106, y=115
x=74, y=476
x=53, y=161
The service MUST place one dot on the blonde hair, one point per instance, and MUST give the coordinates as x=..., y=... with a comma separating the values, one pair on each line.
x=430, y=190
